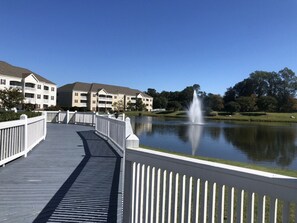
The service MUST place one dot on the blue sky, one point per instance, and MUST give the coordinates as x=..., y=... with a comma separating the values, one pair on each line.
x=162, y=44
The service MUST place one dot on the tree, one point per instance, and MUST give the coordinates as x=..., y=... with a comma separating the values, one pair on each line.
x=214, y=102
x=232, y=107
x=160, y=102
x=267, y=104
x=152, y=92
x=174, y=105
x=245, y=88
x=139, y=105
x=247, y=104
x=230, y=95
x=119, y=105
x=130, y=106
x=11, y=98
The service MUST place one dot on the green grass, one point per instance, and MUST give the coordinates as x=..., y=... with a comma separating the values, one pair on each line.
x=249, y=117
x=285, y=172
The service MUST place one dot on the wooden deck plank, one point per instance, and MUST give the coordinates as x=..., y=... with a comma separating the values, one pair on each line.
x=70, y=177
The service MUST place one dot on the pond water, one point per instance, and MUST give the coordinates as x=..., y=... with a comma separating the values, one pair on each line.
x=266, y=144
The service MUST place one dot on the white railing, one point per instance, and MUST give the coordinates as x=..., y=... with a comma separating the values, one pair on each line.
x=161, y=187
x=68, y=117
x=112, y=129
x=18, y=137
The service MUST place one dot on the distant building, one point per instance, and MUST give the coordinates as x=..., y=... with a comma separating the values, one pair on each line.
x=101, y=97
x=37, y=90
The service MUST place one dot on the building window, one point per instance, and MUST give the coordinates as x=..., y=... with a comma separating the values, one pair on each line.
x=38, y=86
x=45, y=97
x=94, y=102
x=3, y=82
x=94, y=95
x=45, y=106
x=15, y=83
x=52, y=97
x=30, y=85
x=76, y=94
x=52, y=89
x=28, y=95
x=75, y=101
x=45, y=88
x=38, y=96
x=115, y=97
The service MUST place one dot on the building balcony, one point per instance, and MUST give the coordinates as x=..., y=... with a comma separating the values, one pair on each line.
x=29, y=89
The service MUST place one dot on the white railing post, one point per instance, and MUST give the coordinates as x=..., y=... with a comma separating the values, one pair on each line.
x=75, y=114
x=44, y=125
x=132, y=141
x=93, y=118
x=59, y=116
x=25, y=118
x=67, y=116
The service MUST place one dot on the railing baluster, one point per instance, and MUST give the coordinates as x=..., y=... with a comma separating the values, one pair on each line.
x=213, y=202
x=153, y=200
x=183, y=199
x=158, y=195
x=137, y=193
x=164, y=197
x=142, y=192
x=204, y=190
x=169, y=212
x=148, y=189
x=231, y=204
x=176, y=197
x=190, y=199
x=133, y=192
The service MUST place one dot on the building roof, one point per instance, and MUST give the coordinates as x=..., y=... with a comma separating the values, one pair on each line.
x=13, y=71
x=95, y=87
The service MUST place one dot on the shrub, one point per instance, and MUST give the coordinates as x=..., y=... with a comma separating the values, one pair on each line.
x=9, y=116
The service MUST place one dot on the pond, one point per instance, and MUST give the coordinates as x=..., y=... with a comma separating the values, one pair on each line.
x=266, y=144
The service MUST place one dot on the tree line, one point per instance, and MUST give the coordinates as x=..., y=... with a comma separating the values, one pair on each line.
x=261, y=91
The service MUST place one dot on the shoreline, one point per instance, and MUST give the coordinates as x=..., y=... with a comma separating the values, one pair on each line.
x=246, y=117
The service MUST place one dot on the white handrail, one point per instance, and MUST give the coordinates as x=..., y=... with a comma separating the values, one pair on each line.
x=18, y=137
x=165, y=187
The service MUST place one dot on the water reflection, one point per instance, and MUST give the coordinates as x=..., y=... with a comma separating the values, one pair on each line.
x=261, y=144
x=265, y=143
x=194, y=135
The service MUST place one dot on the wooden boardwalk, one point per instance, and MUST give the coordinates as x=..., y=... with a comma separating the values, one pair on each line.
x=72, y=176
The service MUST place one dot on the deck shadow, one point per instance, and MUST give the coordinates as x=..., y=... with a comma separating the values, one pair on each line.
x=90, y=193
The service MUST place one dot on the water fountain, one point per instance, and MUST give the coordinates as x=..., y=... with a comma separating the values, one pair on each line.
x=195, y=116
x=195, y=112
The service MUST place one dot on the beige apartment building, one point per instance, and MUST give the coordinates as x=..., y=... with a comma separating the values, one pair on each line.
x=37, y=91
x=101, y=97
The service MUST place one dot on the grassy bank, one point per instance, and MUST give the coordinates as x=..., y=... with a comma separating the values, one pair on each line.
x=250, y=117
x=286, y=172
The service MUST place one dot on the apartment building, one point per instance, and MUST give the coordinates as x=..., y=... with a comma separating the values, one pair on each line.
x=101, y=97
x=37, y=91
